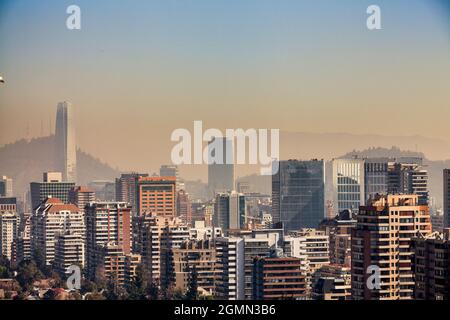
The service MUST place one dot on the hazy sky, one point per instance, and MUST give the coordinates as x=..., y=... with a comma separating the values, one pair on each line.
x=138, y=69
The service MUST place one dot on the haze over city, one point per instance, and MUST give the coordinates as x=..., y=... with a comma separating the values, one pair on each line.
x=135, y=74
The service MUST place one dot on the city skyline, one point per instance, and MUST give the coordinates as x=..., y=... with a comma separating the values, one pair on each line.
x=237, y=65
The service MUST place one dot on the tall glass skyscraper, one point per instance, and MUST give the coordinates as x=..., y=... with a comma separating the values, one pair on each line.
x=65, y=144
x=298, y=194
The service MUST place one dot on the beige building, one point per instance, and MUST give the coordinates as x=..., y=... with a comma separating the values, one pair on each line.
x=382, y=240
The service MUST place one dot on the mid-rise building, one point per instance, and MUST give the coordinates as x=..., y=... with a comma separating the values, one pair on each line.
x=81, y=196
x=156, y=195
x=382, y=240
x=201, y=232
x=184, y=208
x=277, y=278
x=126, y=189
x=432, y=265
x=69, y=250
x=334, y=283
x=197, y=257
x=220, y=165
x=6, y=187
x=298, y=194
x=52, y=186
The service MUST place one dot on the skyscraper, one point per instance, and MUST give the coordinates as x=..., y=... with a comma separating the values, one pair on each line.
x=298, y=190
x=221, y=171
x=65, y=143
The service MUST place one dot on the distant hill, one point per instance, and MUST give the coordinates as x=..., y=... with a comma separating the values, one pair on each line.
x=25, y=161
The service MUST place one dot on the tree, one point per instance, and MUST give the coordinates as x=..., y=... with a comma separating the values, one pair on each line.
x=114, y=291
x=153, y=291
x=39, y=258
x=5, y=268
x=192, y=293
x=27, y=273
x=138, y=288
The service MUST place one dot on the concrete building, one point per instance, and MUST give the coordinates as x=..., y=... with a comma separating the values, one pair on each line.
x=298, y=194
x=184, y=208
x=105, y=191
x=81, y=196
x=157, y=237
x=382, y=240
x=50, y=219
x=106, y=223
x=447, y=198
x=432, y=265
x=201, y=232
x=9, y=232
x=65, y=142
x=6, y=187
x=278, y=278
x=199, y=257
x=52, y=186
x=126, y=189
x=334, y=283
x=339, y=231
x=156, y=195
x=69, y=250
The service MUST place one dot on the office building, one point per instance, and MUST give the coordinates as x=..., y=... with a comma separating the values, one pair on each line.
x=156, y=195
x=52, y=186
x=8, y=204
x=376, y=177
x=230, y=211
x=65, y=142
x=220, y=165
x=348, y=184
x=184, y=207
x=432, y=265
x=298, y=194
x=382, y=240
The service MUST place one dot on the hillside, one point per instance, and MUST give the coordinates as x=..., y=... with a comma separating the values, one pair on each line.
x=25, y=161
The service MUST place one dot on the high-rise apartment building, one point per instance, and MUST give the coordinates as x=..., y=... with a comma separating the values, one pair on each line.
x=157, y=237
x=106, y=223
x=9, y=232
x=156, y=195
x=333, y=283
x=381, y=241
x=298, y=196
x=432, y=265
x=408, y=176
x=6, y=187
x=81, y=196
x=447, y=198
x=50, y=219
x=65, y=142
x=52, y=186
x=339, y=230
x=348, y=184
x=220, y=165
